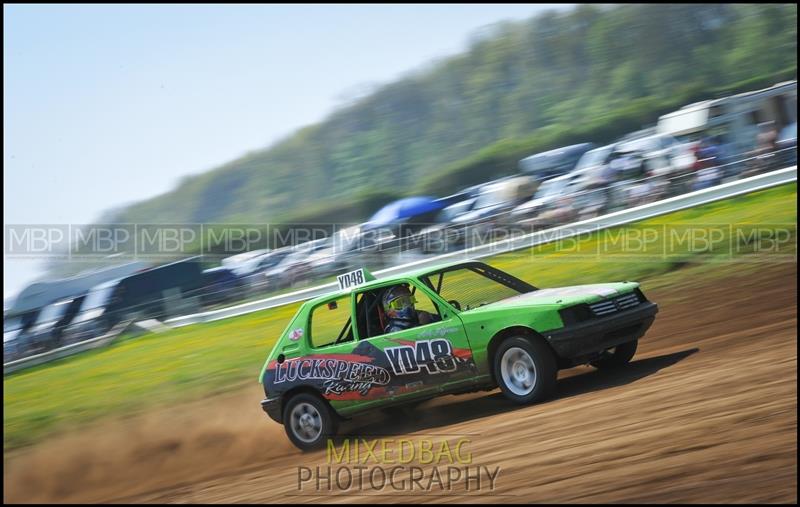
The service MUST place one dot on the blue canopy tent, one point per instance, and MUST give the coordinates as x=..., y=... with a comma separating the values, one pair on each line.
x=419, y=209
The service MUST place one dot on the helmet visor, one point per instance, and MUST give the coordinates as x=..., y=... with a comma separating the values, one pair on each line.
x=402, y=302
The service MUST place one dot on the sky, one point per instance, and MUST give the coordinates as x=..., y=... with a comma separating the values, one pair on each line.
x=109, y=105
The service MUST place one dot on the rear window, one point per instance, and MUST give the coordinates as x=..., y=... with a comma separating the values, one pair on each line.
x=330, y=323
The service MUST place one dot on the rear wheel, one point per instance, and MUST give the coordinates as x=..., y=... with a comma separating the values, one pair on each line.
x=525, y=370
x=308, y=421
x=616, y=357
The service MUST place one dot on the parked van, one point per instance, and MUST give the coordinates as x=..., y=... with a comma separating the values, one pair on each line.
x=47, y=331
x=550, y=164
x=158, y=293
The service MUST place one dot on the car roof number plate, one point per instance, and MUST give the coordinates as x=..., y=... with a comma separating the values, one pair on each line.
x=351, y=279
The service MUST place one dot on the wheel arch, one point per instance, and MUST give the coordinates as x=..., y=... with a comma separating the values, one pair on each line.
x=285, y=397
x=503, y=334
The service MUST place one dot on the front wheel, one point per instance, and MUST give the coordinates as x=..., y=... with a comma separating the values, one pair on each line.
x=616, y=357
x=525, y=370
x=308, y=421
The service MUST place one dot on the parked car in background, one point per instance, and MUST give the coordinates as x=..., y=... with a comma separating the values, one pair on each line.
x=327, y=261
x=491, y=208
x=245, y=263
x=550, y=194
x=550, y=164
x=449, y=214
x=220, y=285
x=335, y=253
x=253, y=276
x=594, y=160
x=661, y=154
x=294, y=267
x=12, y=327
x=498, y=197
x=440, y=236
x=47, y=331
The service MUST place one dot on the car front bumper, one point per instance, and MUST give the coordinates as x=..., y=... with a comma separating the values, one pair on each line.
x=596, y=335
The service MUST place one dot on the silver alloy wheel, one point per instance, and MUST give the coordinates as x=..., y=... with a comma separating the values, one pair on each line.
x=518, y=371
x=306, y=422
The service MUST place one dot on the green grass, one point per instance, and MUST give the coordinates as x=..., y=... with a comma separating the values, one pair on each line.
x=203, y=359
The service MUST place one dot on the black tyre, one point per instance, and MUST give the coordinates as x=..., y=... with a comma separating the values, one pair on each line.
x=616, y=357
x=309, y=421
x=525, y=370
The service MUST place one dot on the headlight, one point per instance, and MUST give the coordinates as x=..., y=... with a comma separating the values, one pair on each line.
x=575, y=314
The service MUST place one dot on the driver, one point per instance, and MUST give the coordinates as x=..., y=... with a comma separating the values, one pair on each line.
x=398, y=305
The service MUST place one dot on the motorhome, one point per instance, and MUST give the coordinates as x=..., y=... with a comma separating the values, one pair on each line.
x=735, y=119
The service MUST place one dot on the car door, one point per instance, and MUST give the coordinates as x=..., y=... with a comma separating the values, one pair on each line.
x=346, y=373
x=427, y=359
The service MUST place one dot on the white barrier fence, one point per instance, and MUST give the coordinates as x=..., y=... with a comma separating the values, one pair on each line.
x=67, y=350
x=645, y=211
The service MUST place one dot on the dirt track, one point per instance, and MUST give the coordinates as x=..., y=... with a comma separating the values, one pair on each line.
x=707, y=412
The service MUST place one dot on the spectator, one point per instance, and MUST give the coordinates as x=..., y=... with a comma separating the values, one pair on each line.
x=766, y=145
x=610, y=170
x=708, y=173
x=767, y=138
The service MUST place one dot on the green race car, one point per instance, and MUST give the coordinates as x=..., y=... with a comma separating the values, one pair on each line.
x=483, y=328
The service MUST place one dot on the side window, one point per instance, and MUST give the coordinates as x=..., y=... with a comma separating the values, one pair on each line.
x=373, y=320
x=330, y=323
x=424, y=303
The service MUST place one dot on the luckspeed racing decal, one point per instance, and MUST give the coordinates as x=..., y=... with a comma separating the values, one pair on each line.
x=338, y=375
x=368, y=372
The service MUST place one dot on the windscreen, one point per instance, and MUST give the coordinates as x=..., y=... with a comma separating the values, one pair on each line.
x=455, y=210
x=12, y=324
x=592, y=158
x=492, y=196
x=97, y=298
x=52, y=312
x=552, y=188
x=475, y=285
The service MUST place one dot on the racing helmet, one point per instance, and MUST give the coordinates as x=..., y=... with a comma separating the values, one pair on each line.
x=398, y=303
